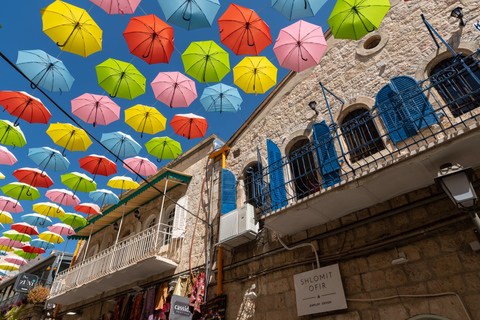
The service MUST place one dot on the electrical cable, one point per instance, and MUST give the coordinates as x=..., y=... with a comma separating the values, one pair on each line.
x=301, y=245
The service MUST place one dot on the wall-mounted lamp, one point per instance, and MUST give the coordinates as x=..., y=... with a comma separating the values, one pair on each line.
x=313, y=106
x=458, y=13
x=115, y=226
x=137, y=214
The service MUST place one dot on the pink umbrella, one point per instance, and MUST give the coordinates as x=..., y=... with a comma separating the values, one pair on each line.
x=62, y=196
x=4, y=241
x=62, y=229
x=6, y=157
x=96, y=109
x=140, y=165
x=117, y=6
x=10, y=205
x=16, y=260
x=300, y=46
x=174, y=89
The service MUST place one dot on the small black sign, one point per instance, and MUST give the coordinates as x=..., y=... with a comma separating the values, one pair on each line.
x=25, y=282
x=180, y=308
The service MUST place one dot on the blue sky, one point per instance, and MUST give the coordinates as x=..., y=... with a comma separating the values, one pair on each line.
x=22, y=30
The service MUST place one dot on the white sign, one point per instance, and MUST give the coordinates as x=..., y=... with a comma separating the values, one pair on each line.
x=319, y=290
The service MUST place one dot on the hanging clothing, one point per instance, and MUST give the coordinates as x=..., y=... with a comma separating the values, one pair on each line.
x=137, y=307
x=118, y=308
x=127, y=307
x=148, y=305
x=183, y=284
x=198, y=291
x=161, y=297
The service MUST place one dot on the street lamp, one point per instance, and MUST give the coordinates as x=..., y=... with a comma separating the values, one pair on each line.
x=458, y=13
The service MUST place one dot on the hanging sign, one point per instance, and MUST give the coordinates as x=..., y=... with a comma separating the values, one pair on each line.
x=477, y=25
x=180, y=308
x=25, y=282
x=319, y=290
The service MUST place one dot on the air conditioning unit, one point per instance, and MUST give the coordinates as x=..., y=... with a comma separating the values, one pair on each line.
x=238, y=226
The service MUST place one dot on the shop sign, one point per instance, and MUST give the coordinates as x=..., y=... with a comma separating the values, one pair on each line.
x=25, y=282
x=180, y=308
x=319, y=290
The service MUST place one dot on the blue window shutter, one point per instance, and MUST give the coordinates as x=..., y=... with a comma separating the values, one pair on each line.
x=229, y=192
x=391, y=113
x=277, y=178
x=326, y=154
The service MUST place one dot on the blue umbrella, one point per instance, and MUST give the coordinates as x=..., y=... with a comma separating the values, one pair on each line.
x=297, y=9
x=39, y=243
x=1, y=226
x=190, y=14
x=44, y=70
x=104, y=196
x=36, y=219
x=3, y=273
x=121, y=144
x=48, y=158
x=3, y=253
x=221, y=98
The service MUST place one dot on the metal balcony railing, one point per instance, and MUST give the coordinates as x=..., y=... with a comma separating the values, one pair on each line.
x=406, y=119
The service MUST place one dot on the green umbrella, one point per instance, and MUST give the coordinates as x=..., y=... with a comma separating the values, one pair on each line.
x=17, y=236
x=25, y=255
x=78, y=182
x=11, y=135
x=163, y=148
x=206, y=61
x=20, y=191
x=120, y=79
x=74, y=220
x=352, y=19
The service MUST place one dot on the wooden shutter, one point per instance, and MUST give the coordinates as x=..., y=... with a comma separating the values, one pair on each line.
x=229, y=192
x=391, y=113
x=180, y=218
x=326, y=154
x=277, y=178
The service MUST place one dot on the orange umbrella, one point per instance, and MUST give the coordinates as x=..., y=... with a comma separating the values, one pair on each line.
x=189, y=125
x=243, y=31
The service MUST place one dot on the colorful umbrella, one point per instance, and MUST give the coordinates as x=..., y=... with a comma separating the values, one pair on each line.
x=71, y=28
x=42, y=244
x=2, y=176
x=78, y=182
x=61, y=229
x=96, y=164
x=242, y=30
x=123, y=183
x=26, y=255
x=352, y=19
x=6, y=248
x=221, y=98
x=20, y=191
x=10, y=205
x=11, y=135
x=3, y=253
x=24, y=227
x=63, y=197
x=74, y=220
x=96, y=109
x=50, y=237
x=120, y=144
x=118, y=6
x=297, y=9
x=31, y=249
x=17, y=236
x=206, y=61
x=34, y=177
x=190, y=14
x=145, y=119
x=44, y=70
x=163, y=148
x=16, y=260
x=255, y=75
x=7, y=242
x=7, y=157
x=104, y=196
x=150, y=39
x=37, y=219
x=120, y=79
x=5, y=217
x=48, y=158
x=300, y=46
x=69, y=137
x=22, y=105
x=189, y=125
x=45, y=209
x=141, y=166
x=88, y=208
x=9, y=266
x=174, y=89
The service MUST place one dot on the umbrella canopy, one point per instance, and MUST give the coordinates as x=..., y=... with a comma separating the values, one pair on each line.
x=140, y=165
x=221, y=98
x=255, y=75
x=69, y=137
x=24, y=227
x=71, y=28
x=7, y=242
x=297, y=9
x=96, y=109
x=20, y=191
x=300, y=46
x=243, y=31
x=96, y=164
x=24, y=106
x=145, y=119
x=6, y=156
x=9, y=266
x=47, y=209
x=2, y=176
x=11, y=135
x=5, y=217
x=42, y=244
x=104, y=196
x=44, y=70
x=48, y=158
x=120, y=79
x=61, y=229
x=189, y=125
x=34, y=177
x=118, y=6
x=26, y=255
x=16, y=260
x=17, y=236
x=121, y=144
x=50, y=237
x=88, y=208
x=10, y=205
x=63, y=197
x=163, y=148
x=74, y=220
x=79, y=182
x=206, y=61
x=190, y=14
x=3, y=253
x=150, y=39
x=352, y=19
x=174, y=89
x=37, y=219
x=124, y=183
x=31, y=249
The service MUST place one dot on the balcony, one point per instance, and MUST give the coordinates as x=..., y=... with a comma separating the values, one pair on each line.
x=395, y=147
x=134, y=258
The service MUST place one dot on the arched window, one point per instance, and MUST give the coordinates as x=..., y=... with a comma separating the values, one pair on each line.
x=168, y=223
x=107, y=241
x=455, y=84
x=125, y=234
x=251, y=191
x=361, y=135
x=302, y=165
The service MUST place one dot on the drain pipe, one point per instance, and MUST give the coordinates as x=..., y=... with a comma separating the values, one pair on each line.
x=210, y=235
x=220, y=249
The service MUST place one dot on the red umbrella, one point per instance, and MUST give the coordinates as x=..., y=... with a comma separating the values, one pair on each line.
x=243, y=31
x=88, y=208
x=22, y=105
x=30, y=249
x=24, y=227
x=189, y=125
x=150, y=39
x=96, y=164
x=34, y=177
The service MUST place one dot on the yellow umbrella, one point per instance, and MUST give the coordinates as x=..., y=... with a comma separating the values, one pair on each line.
x=145, y=119
x=5, y=248
x=124, y=183
x=49, y=209
x=69, y=137
x=5, y=217
x=2, y=176
x=9, y=266
x=255, y=75
x=71, y=28
x=50, y=237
